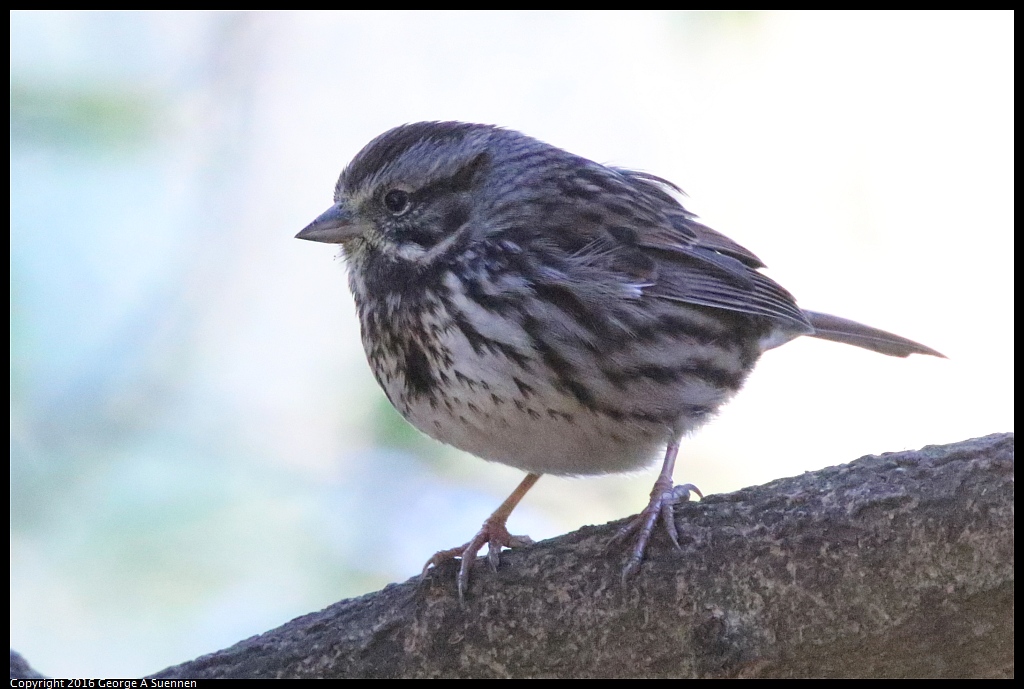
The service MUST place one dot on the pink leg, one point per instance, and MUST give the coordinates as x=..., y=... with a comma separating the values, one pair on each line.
x=493, y=533
x=663, y=497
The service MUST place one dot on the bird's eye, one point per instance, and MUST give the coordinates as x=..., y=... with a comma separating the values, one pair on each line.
x=397, y=201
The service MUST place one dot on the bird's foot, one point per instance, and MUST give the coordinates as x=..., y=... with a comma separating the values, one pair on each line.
x=663, y=500
x=494, y=535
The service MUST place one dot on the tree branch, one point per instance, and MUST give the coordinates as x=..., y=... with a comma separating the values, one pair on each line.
x=891, y=566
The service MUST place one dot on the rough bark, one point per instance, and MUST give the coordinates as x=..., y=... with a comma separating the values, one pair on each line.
x=896, y=565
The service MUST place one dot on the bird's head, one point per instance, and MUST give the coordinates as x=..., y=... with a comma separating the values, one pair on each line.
x=411, y=190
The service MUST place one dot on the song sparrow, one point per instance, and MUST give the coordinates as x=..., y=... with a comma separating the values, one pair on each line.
x=538, y=309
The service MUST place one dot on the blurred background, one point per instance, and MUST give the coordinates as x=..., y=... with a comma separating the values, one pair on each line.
x=198, y=450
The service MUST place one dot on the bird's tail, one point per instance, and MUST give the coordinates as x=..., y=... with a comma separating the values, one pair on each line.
x=828, y=327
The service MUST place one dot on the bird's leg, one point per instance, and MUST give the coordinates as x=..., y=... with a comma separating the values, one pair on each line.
x=493, y=533
x=663, y=497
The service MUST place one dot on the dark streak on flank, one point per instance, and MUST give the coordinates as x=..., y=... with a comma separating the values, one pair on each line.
x=418, y=378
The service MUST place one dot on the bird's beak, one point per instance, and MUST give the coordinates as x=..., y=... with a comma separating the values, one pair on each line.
x=336, y=225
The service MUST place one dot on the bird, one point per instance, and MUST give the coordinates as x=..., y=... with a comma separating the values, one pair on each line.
x=538, y=309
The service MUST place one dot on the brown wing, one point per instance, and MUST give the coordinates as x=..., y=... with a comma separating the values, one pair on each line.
x=697, y=265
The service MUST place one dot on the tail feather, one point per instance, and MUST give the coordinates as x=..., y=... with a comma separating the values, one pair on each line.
x=828, y=327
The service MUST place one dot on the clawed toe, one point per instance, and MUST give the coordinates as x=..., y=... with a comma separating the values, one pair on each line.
x=492, y=534
x=662, y=503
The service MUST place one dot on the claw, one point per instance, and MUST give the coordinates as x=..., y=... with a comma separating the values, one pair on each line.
x=493, y=534
x=682, y=493
x=664, y=496
x=668, y=518
x=493, y=556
